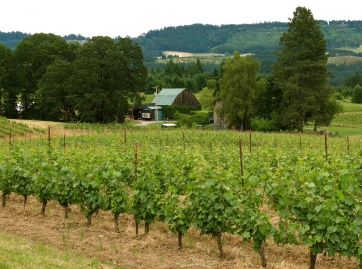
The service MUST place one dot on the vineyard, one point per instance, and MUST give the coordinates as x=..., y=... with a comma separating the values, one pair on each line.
x=259, y=190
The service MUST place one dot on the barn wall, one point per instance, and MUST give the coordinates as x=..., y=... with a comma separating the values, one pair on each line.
x=186, y=99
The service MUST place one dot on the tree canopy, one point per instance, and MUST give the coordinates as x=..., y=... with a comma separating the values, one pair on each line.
x=301, y=70
x=98, y=84
x=238, y=89
x=53, y=79
x=33, y=55
x=9, y=85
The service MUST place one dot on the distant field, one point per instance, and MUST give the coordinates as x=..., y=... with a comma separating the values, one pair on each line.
x=189, y=54
x=344, y=59
x=187, y=57
x=357, y=50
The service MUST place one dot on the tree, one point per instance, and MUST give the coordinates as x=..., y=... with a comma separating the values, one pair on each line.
x=9, y=86
x=33, y=55
x=353, y=81
x=238, y=88
x=207, y=99
x=105, y=76
x=301, y=70
x=51, y=97
x=357, y=95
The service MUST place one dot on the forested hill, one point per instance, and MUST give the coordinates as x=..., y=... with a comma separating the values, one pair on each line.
x=246, y=38
x=344, y=38
x=11, y=39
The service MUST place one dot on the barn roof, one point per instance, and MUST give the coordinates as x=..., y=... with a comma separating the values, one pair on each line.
x=167, y=96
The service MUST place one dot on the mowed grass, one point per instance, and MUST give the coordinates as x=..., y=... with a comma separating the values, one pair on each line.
x=351, y=107
x=349, y=122
x=16, y=252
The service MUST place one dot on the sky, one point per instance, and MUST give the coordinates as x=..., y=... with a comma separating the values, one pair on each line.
x=135, y=17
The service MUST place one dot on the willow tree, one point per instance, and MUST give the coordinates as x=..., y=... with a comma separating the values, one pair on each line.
x=300, y=71
x=239, y=86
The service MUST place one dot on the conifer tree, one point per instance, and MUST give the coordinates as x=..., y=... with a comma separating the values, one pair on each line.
x=301, y=70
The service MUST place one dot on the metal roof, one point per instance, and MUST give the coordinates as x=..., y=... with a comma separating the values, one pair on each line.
x=167, y=96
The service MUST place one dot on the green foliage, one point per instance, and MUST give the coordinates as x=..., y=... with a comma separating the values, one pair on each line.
x=195, y=118
x=171, y=111
x=213, y=203
x=197, y=180
x=353, y=81
x=52, y=94
x=176, y=212
x=263, y=125
x=207, y=98
x=238, y=89
x=9, y=83
x=357, y=95
x=33, y=55
x=145, y=194
x=100, y=89
x=318, y=206
x=301, y=70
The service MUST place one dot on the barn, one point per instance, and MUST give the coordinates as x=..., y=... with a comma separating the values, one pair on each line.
x=166, y=102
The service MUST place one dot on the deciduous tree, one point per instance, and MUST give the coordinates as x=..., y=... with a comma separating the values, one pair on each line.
x=105, y=76
x=238, y=88
x=33, y=55
x=9, y=85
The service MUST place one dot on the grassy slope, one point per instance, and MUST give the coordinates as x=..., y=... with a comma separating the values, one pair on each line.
x=349, y=122
x=16, y=252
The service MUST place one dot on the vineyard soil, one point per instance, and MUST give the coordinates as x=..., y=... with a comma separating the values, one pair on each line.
x=159, y=249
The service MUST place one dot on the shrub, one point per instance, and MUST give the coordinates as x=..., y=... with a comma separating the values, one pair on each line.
x=357, y=95
x=263, y=125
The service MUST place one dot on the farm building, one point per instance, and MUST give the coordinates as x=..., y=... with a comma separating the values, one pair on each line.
x=220, y=122
x=166, y=102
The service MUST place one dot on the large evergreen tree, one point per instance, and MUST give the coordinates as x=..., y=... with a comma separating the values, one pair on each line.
x=301, y=70
x=238, y=89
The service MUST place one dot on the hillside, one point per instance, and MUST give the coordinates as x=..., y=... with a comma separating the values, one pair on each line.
x=344, y=39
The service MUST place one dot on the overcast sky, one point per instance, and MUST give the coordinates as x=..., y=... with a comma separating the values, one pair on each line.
x=133, y=18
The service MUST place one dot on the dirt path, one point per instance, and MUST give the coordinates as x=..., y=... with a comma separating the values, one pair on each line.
x=157, y=250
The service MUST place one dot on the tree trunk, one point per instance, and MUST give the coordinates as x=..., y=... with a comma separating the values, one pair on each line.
x=89, y=219
x=3, y=200
x=43, y=208
x=262, y=256
x=116, y=227
x=66, y=211
x=219, y=244
x=25, y=199
x=313, y=258
x=147, y=228
x=179, y=240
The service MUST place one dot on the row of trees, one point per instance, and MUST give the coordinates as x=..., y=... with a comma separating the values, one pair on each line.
x=49, y=79
x=180, y=75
